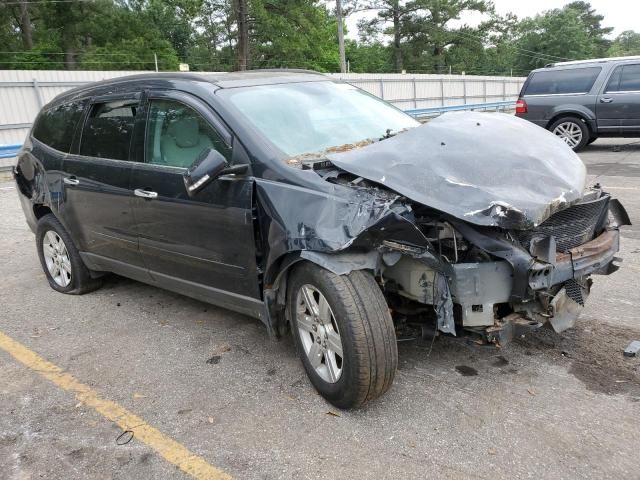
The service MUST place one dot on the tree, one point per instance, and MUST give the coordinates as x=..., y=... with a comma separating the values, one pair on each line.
x=422, y=30
x=573, y=32
x=627, y=43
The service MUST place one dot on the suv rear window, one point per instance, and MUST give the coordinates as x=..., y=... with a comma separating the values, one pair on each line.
x=108, y=130
x=573, y=80
x=55, y=127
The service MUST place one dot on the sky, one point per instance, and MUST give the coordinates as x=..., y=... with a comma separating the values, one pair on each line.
x=620, y=14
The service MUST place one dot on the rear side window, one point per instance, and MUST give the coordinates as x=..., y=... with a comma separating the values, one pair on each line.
x=574, y=80
x=625, y=78
x=108, y=130
x=55, y=127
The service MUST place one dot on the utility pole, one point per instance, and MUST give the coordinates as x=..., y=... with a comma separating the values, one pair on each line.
x=243, y=34
x=155, y=58
x=343, y=61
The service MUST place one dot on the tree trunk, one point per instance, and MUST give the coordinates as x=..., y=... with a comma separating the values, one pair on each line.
x=438, y=57
x=25, y=25
x=243, y=35
x=69, y=46
x=397, y=53
x=343, y=59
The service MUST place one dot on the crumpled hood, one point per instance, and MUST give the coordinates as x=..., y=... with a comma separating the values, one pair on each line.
x=488, y=169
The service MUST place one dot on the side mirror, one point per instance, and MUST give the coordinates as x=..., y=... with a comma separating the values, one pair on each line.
x=207, y=167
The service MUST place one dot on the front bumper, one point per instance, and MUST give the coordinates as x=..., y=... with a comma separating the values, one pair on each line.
x=479, y=287
x=478, y=290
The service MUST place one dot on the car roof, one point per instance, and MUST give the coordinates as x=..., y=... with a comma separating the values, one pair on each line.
x=590, y=61
x=247, y=78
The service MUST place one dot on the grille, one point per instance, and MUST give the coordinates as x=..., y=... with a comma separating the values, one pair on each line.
x=574, y=291
x=571, y=227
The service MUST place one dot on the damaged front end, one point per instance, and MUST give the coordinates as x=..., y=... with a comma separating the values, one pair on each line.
x=510, y=237
x=466, y=229
x=502, y=281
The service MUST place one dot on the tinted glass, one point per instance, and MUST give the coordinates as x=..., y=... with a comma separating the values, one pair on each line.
x=108, y=131
x=177, y=135
x=55, y=127
x=309, y=117
x=574, y=80
x=630, y=79
x=614, y=80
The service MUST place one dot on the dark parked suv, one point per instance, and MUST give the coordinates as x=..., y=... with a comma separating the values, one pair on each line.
x=583, y=100
x=318, y=209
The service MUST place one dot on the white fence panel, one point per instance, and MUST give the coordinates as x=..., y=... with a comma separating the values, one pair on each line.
x=24, y=92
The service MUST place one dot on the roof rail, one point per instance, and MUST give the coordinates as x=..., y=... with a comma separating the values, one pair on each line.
x=593, y=60
x=275, y=70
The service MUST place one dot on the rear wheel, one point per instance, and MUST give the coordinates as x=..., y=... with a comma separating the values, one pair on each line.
x=61, y=262
x=572, y=130
x=344, y=334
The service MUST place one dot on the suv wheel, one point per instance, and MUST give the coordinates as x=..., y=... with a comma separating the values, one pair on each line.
x=344, y=334
x=572, y=131
x=61, y=262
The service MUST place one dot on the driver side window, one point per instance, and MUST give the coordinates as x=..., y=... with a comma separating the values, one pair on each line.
x=177, y=135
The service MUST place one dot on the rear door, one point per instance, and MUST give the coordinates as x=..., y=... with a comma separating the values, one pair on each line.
x=618, y=107
x=195, y=244
x=98, y=200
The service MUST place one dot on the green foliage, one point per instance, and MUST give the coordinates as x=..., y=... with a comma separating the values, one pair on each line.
x=413, y=35
x=372, y=57
x=627, y=43
x=292, y=34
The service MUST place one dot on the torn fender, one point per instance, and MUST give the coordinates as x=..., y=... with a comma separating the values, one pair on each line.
x=294, y=218
x=488, y=169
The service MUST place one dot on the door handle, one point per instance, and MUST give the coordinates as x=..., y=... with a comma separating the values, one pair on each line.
x=141, y=192
x=71, y=180
x=606, y=100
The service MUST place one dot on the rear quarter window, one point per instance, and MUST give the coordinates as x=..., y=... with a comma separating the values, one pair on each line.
x=55, y=127
x=625, y=78
x=574, y=80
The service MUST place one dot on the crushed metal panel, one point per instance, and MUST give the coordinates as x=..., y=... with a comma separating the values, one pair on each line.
x=565, y=311
x=475, y=167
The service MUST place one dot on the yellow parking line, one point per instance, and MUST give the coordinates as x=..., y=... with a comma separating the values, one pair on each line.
x=169, y=449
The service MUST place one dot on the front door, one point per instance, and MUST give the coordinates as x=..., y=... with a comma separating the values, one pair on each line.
x=98, y=201
x=618, y=107
x=204, y=245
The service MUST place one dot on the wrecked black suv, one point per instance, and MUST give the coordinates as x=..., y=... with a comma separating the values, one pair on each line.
x=315, y=207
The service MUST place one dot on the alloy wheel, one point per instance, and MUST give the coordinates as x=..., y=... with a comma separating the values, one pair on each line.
x=569, y=132
x=56, y=257
x=319, y=333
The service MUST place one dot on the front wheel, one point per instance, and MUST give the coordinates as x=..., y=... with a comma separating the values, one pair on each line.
x=573, y=131
x=344, y=334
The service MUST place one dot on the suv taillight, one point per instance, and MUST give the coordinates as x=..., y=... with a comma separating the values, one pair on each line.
x=521, y=106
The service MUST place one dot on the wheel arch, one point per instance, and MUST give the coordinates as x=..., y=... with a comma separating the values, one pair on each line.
x=40, y=210
x=276, y=278
x=585, y=115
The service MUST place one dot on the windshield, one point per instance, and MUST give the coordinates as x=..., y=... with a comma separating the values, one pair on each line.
x=302, y=118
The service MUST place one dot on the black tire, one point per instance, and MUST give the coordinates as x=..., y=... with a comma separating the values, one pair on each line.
x=370, y=352
x=591, y=140
x=81, y=280
x=580, y=123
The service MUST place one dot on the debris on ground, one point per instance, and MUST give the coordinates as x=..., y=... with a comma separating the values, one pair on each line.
x=633, y=349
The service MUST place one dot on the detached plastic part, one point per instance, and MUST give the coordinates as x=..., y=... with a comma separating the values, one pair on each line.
x=633, y=349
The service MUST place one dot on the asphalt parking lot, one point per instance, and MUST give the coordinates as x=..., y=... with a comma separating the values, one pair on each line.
x=201, y=384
